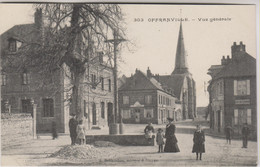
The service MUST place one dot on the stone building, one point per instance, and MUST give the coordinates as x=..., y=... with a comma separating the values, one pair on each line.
x=19, y=87
x=232, y=91
x=142, y=100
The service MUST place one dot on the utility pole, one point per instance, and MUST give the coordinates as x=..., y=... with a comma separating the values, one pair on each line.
x=117, y=117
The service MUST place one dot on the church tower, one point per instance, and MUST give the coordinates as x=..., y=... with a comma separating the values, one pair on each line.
x=181, y=65
x=181, y=70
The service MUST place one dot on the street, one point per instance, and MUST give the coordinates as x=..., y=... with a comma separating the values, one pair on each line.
x=218, y=153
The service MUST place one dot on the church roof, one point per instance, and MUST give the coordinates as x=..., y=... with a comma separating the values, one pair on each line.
x=241, y=65
x=174, y=82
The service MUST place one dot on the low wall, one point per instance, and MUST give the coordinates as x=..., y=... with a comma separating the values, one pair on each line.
x=15, y=129
x=126, y=140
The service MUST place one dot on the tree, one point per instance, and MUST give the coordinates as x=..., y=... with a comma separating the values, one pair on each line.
x=72, y=34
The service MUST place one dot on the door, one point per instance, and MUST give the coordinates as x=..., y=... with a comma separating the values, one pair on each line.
x=94, y=114
x=219, y=120
x=137, y=115
x=109, y=113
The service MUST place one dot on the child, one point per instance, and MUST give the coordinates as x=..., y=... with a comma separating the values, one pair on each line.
x=81, y=132
x=159, y=139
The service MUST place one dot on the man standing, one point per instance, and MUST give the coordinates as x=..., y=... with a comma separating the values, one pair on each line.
x=245, y=133
x=228, y=131
x=73, y=123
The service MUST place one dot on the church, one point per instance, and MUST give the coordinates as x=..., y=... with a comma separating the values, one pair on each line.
x=179, y=87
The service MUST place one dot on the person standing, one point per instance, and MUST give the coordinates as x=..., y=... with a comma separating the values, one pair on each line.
x=171, y=140
x=198, y=142
x=245, y=133
x=54, y=130
x=81, y=130
x=228, y=131
x=73, y=126
x=160, y=139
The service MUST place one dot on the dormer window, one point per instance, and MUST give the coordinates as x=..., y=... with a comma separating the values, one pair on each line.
x=14, y=45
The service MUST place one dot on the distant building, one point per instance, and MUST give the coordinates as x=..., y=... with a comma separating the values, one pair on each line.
x=232, y=92
x=142, y=100
x=179, y=85
x=53, y=101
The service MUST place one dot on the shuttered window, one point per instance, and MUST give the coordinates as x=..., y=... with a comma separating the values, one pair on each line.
x=241, y=87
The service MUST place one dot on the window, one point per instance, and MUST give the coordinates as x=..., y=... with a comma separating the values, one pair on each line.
x=126, y=114
x=109, y=85
x=242, y=116
x=241, y=87
x=102, y=83
x=48, y=108
x=148, y=99
x=159, y=97
x=3, y=79
x=125, y=99
x=103, y=110
x=26, y=106
x=25, y=78
x=148, y=113
x=93, y=78
x=12, y=45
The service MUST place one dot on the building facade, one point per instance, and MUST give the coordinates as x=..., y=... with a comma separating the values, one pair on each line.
x=52, y=96
x=143, y=100
x=232, y=92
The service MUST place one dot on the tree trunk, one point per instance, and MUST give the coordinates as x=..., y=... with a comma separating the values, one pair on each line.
x=76, y=66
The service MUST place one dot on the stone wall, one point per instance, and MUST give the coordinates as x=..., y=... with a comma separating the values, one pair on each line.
x=15, y=129
x=125, y=140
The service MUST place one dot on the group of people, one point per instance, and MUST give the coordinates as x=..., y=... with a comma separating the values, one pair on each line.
x=77, y=131
x=198, y=138
x=171, y=140
x=245, y=133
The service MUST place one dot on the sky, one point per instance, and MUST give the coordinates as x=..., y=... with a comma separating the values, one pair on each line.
x=206, y=41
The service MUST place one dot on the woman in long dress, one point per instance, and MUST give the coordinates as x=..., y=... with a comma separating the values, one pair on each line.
x=171, y=140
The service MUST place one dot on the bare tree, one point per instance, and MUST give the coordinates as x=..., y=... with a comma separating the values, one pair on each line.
x=72, y=34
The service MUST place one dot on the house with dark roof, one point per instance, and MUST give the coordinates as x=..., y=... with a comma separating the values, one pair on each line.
x=20, y=87
x=232, y=91
x=142, y=99
x=179, y=83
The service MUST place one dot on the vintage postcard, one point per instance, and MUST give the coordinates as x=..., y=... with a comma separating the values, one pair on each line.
x=107, y=84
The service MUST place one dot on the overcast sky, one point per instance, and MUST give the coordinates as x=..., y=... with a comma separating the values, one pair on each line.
x=155, y=42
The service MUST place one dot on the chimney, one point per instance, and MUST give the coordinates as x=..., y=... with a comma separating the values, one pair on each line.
x=38, y=18
x=223, y=60
x=148, y=73
x=235, y=49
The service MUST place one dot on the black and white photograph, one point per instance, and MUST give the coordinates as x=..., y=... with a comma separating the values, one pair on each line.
x=129, y=84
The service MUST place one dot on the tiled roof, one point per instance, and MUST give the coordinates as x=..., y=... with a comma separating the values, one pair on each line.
x=139, y=81
x=241, y=65
x=174, y=82
x=23, y=33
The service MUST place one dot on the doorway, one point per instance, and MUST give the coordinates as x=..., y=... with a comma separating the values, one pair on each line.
x=219, y=120
x=94, y=114
x=109, y=113
x=137, y=115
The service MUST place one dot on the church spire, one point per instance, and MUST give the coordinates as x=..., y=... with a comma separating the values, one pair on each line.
x=181, y=65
